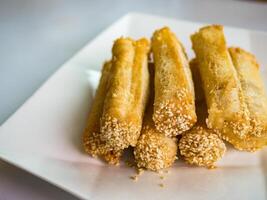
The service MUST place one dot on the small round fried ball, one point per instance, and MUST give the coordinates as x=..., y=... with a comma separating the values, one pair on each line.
x=155, y=151
x=201, y=146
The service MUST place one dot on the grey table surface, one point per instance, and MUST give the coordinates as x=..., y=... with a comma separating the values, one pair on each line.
x=38, y=36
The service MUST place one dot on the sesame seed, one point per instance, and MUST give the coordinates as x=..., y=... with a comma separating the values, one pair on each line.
x=154, y=151
x=94, y=146
x=119, y=135
x=173, y=120
x=201, y=147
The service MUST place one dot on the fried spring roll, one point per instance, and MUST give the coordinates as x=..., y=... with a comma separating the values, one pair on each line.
x=201, y=146
x=174, y=107
x=255, y=97
x=154, y=150
x=127, y=94
x=227, y=109
x=91, y=138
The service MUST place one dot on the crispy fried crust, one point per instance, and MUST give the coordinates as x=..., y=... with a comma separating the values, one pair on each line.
x=255, y=97
x=91, y=137
x=127, y=94
x=154, y=150
x=228, y=112
x=174, y=108
x=201, y=146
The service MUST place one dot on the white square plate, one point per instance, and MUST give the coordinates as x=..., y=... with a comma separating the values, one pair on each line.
x=44, y=135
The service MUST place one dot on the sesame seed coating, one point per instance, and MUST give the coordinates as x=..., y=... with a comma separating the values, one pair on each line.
x=174, y=106
x=225, y=98
x=201, y=147
x=154, y=151
x=119, y=135
x=170, y=119
x=92, y=143
x=127, y=94
x=97, y=148
x=252, y=85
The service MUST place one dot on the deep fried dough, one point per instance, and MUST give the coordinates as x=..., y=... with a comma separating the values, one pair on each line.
x=201, y=146
x=174, y=106
x=227, y=109
x=255, y=97
x=127, y=94
x=154, y=150
x=91, y=137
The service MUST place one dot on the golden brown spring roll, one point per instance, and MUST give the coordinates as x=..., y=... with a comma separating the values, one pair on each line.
x=255, y=97
x=127, y=94
x=174, y=107
x=154, y=150
x=201, y=146
x=91, y=138
x=227, y=109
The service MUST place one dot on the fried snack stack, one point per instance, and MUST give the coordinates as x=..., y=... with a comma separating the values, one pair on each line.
x=92, y=143
x=255, y=97
x=200, y=146
x=225, y=85
x=228, y=112
x=126, y=95
x=174, y=107
x=154, y=150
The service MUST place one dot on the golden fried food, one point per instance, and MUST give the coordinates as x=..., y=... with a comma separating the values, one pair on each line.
x=252, y=85
x=227, y=109
x=255, y=97
x=127, y=94
x=174, y=107
x=201, y=146
x=91, y=138
x=154, y=150
x=146, y=105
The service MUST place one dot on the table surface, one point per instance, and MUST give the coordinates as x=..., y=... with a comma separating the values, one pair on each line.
x=38, y=36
